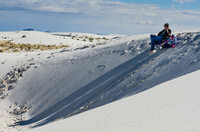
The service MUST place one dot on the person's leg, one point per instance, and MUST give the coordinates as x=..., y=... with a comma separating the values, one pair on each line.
x=152, y=36
x=154, y=40
x=152, y=45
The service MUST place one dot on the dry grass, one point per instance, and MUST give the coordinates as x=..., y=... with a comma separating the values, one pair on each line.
x=6, y=46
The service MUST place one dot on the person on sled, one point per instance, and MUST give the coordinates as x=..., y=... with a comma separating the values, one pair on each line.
x=161, y=37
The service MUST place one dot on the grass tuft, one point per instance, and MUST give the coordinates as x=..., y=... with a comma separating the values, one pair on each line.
x=7, y=46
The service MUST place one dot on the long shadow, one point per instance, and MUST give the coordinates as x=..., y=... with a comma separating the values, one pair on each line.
x=84, y=98
x=77, y=99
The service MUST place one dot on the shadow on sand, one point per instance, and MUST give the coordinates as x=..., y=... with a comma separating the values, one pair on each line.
x=90, y=96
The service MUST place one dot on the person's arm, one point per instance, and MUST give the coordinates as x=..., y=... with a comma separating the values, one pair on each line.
x=169, y=32
x=160, y=33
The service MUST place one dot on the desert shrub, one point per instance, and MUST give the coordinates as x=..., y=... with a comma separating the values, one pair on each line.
x=105, y=38
x=7, y=46
x=15, y=50
x=24, y=36
x=91, y=39
x=2, y=50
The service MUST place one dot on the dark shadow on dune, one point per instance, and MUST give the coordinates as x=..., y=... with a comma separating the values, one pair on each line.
x=100, y=91
x=80, y=97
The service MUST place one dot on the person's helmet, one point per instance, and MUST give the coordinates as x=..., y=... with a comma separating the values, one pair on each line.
x=166, y=25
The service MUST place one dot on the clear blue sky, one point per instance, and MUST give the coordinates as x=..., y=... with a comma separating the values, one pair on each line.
x=99, y=16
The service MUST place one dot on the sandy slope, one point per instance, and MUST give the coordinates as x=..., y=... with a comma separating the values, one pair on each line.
x=32, y=60
x=170, y=107
x=61, y=83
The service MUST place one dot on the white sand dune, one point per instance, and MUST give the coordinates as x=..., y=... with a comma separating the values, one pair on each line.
x=91, y=85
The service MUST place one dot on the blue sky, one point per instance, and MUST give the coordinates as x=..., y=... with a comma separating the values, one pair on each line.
x=99, y=16
x=180, y=4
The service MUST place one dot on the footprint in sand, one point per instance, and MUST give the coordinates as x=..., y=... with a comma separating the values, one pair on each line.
x=3, y=62
x=101, y=67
